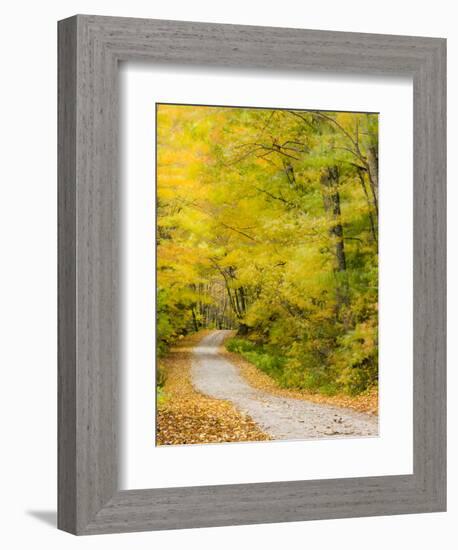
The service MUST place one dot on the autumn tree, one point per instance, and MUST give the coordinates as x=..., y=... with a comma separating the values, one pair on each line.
x=267, y=222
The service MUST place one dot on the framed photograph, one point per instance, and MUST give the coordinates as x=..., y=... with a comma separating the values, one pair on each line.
x=251, y=275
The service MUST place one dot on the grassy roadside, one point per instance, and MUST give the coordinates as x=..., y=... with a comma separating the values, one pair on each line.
x=185, y=416
x=366, y=402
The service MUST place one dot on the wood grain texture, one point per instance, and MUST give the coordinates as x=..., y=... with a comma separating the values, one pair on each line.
x=90, y=48
x=67, y=134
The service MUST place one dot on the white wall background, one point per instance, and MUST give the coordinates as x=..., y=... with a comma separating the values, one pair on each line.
x=28, y=271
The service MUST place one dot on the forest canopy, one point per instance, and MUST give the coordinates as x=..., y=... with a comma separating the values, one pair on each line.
x=267, y=224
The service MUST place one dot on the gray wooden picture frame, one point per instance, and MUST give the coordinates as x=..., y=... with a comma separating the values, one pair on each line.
x=90, y=49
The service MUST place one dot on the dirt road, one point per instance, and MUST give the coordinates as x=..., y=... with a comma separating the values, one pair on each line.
x=281, y=417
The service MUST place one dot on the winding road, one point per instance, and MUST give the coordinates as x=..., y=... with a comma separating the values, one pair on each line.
x=280, y=417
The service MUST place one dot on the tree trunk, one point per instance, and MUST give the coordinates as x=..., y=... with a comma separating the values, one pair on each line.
x=194, y=320
x=331, y=202
x=242, y=300
x=372, y=170
x=369, y=206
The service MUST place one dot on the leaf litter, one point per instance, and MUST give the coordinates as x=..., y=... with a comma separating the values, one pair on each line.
x=185, y=416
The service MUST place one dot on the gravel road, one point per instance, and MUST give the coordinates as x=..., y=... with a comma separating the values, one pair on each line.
x=281, y=417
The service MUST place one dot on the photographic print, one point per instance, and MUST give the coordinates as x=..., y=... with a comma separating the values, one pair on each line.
x=266, y=274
